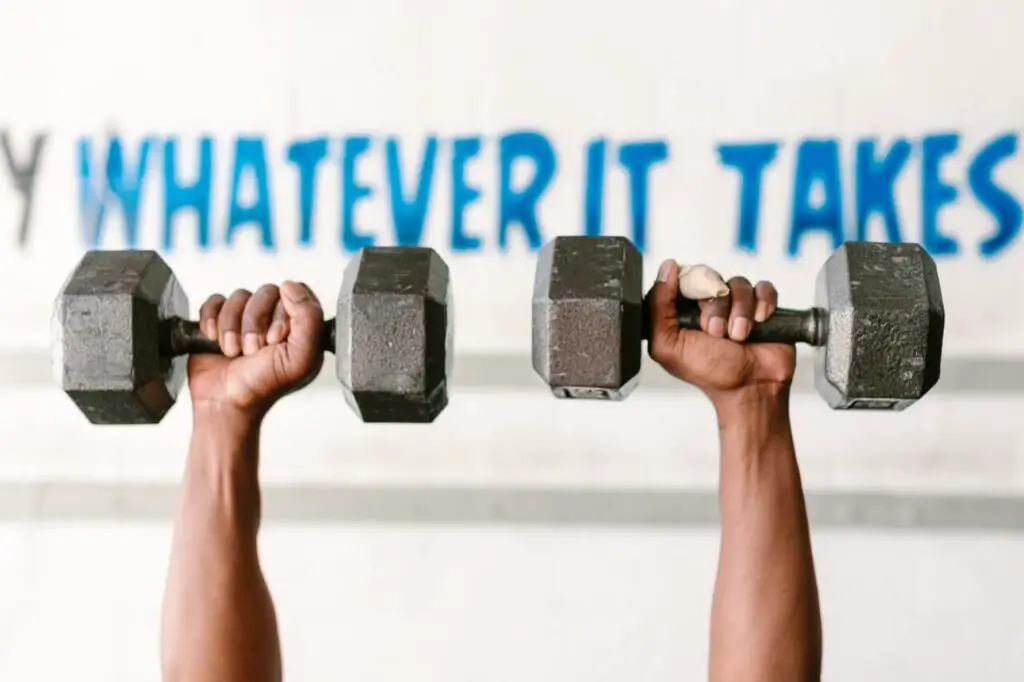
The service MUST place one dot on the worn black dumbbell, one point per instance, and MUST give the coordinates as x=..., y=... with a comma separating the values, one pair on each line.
x=121, y=334
x=877, y=322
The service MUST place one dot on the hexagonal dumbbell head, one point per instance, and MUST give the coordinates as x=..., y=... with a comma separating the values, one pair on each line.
x=587, y=312
x=885, y=326
x=394, y=334
x=105, y=337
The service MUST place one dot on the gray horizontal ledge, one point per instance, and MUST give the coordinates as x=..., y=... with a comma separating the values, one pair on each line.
x=33, y=502
x=962, y=374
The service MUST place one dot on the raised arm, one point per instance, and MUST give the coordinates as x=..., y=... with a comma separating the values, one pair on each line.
x=218, y=622
x=765, y=621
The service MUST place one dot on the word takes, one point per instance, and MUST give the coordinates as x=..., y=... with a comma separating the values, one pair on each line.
x=22, y=170
x=817, y=201
x=107, y=179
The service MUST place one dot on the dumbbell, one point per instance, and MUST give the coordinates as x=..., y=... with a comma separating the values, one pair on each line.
x=120, y=335
x=877, y=322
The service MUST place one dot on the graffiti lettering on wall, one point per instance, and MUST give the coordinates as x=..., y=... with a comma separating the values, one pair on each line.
x=22, y=172
x=106, y=176
x=840, y=188
x=820, y=181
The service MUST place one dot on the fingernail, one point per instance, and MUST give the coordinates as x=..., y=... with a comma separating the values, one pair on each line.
x=230, y=344
x=665, y=271
x=295, y=293
x=716, y=327
x=739, y=328
x=761, y=311
x=250, y=343
x=210, y=329
x=274, y=333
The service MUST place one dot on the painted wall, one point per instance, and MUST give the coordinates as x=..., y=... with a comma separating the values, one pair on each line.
x=753, y=138
x=521, y=536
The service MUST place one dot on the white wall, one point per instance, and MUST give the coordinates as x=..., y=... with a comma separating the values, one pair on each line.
x=469, y=603
x=520, y=537
x=546, y=584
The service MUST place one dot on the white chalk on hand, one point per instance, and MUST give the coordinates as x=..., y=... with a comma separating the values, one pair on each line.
x=701, y=282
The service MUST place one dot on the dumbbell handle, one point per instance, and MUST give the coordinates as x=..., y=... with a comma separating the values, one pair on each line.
x=183, y=337
x=784, y=326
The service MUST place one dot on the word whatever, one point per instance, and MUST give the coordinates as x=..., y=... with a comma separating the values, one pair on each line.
x=107, y=178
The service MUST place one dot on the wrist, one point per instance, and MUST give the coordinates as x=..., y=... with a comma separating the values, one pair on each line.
x=761, y=405
x=225, y=443
x=221, y=473
x=759, y=396
x=221, y=422
x=225, y=416
x=755, y=436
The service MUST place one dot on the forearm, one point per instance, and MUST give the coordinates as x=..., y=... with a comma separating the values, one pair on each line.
x=765, y=622
x=219, y=623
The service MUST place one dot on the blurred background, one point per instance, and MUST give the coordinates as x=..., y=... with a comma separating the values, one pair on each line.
x=518, y=537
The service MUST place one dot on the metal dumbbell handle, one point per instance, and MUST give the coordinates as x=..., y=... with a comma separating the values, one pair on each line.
x=183, y=337
x=784, y=326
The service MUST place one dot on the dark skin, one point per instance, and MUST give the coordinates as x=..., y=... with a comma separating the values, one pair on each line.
x=219, y=622
x=765, y=618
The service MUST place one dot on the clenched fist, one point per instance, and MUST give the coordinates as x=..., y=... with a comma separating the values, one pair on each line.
x=271, y=346
x=717, y=360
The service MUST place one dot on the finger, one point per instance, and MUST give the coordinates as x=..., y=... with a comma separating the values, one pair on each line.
x=661, y=301
x=767, y=301
x=305, y=318
x=208, y=316
x=714, y=316
x=229, y=322
x=256, y=318
x=741, y=314
x=312, y=295
x=279, y=328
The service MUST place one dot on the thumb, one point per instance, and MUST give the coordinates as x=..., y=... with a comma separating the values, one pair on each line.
x=662, y=302
x=305, y=321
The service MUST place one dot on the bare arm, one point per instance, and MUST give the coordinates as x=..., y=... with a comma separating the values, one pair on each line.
x=219, y=623
x=765, y=621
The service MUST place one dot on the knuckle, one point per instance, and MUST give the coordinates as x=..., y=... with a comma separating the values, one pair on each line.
x=259, y=306
x=229, y=317
x=744, y=302
x=312, y=300
x=241, y=293
x=267, y=290
x=298, y=366
x=654, y=352
x=740, y=286
x=660, y=350
x=211, y=303
x=718, y=307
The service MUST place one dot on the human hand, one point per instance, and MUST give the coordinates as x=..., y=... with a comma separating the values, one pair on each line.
x=716, y=360
x=271, y=347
